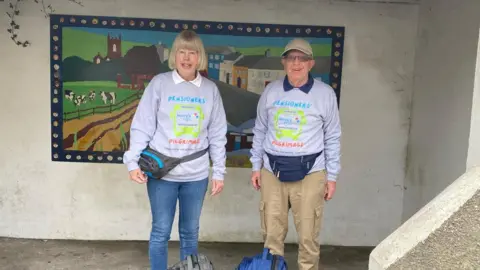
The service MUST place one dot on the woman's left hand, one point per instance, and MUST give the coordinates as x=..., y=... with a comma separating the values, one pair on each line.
x=217, y=186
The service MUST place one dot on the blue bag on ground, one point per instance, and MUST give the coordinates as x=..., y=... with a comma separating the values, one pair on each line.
x=263, y=261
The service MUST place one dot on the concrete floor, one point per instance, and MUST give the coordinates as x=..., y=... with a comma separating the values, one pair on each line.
x=22, y=254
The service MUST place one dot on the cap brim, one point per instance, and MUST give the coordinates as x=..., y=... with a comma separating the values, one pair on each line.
x=296, y=49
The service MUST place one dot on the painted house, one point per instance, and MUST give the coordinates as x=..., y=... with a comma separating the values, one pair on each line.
x=264, y=71
x=241, y=137
x=226, y=67
x=162, y=51
x=254, y=72
x=97, y=59
x=215, y=56
x=238, y=141
x=240, y=70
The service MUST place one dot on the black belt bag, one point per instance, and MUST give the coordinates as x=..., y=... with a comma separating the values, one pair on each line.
x=292, y=168
x=156, y=165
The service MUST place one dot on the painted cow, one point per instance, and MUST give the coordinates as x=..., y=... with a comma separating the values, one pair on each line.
x=69, y=94
x=108, y=97
x=79, y=100
x=91, y=95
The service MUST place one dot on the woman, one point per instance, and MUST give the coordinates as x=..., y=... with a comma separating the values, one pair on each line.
x=180, y=112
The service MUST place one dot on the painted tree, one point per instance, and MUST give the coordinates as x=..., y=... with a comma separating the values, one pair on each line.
x=141, y=62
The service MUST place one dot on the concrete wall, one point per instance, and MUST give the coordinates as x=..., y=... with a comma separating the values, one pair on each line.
x=43, y=199
x=442, y=98
x=443, y=234
x=473, y=158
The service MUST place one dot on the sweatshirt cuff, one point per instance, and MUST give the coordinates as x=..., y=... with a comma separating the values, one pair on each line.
x=256, y=166
x=132, y=166
x=332, y=177
x=217, y=176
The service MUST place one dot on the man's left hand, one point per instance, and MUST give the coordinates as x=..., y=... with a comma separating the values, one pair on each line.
x=217, y=186
x=330, y=189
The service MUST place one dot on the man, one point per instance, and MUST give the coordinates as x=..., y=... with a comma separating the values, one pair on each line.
x=297, y=140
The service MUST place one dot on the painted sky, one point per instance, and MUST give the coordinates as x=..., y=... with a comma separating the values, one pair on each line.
x=154, y=37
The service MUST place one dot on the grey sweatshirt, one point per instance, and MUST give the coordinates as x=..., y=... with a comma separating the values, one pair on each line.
x=177, y=118
x=295, y=123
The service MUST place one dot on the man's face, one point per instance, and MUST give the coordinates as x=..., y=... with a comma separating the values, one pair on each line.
x=297, y=65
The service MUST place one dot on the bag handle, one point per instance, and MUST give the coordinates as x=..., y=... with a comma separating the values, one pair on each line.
x=265, y=253
x=189, y=262
x=274, y=262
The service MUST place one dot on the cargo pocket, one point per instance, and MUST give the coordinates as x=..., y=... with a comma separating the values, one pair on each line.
x=318, y=221
x=262, y=218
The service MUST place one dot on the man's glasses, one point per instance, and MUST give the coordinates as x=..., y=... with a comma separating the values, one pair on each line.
x=301, y=58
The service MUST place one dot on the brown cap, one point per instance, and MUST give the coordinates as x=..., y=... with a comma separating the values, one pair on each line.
x=300, y=45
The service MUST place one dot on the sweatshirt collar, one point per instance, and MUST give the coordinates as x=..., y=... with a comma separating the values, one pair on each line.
x=304, y=88
x=177, y=79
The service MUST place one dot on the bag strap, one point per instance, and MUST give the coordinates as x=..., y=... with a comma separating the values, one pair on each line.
x=195, y=260
x=157, y=156
x=189, y=262
x=193, y=155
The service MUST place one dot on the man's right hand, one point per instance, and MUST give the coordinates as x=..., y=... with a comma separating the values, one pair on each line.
x=256, y=179
x=138, y=176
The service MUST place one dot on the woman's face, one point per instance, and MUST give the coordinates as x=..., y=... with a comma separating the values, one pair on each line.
x=186, y=62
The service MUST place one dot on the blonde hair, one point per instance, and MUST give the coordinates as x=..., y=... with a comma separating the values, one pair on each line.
x=189, y=40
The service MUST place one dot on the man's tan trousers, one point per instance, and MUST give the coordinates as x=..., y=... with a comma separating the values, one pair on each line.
x=306, y=198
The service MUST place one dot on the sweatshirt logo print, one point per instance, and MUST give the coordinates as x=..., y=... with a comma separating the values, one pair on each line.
x=187, y=120
x=289, y=122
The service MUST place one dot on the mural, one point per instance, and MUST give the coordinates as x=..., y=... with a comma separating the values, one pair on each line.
x=100, y=67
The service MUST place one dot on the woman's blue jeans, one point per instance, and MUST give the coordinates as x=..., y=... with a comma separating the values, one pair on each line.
x=163, y=197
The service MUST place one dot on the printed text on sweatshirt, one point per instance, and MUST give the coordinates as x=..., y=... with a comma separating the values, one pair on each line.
x=295, y=123
x=177, y=118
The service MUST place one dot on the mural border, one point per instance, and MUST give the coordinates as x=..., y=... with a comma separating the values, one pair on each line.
x=58, y=21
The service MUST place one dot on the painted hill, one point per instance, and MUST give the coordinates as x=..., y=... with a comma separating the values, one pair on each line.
x=240, y=104
x=75, y=44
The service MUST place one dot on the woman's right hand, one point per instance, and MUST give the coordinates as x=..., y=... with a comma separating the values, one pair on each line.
x=138, y=176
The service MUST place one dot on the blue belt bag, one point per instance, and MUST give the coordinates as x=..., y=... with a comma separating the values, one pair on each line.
x=292, y=168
